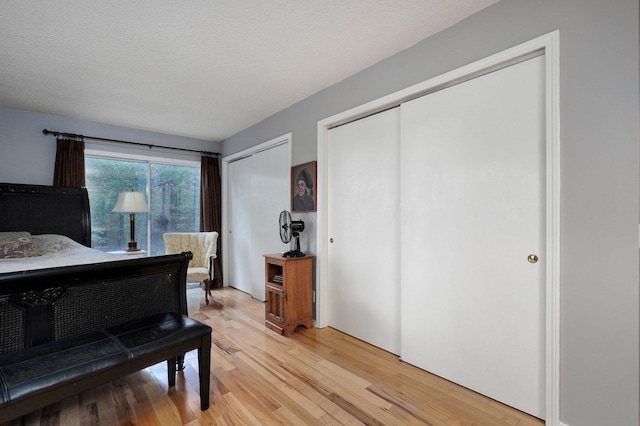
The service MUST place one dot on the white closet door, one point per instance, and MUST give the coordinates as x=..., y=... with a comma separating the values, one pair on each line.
x=258, y=191
x=363, y=214
x=473, y=210
x=270, y=194
x=240, y=239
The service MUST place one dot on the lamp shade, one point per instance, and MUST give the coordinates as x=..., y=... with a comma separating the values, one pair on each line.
x=131, y=202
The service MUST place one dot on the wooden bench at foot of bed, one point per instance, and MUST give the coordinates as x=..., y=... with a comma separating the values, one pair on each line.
x=66, y=330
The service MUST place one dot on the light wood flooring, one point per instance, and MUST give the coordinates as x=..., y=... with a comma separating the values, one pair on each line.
x=314, y=377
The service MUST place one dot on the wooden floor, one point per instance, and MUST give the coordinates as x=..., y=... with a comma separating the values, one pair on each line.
x=316, y=376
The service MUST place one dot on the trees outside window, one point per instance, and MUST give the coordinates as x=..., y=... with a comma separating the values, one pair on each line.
x=173, y=195
x=175, y=202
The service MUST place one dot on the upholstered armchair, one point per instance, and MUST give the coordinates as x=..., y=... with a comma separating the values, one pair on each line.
x=203, y=246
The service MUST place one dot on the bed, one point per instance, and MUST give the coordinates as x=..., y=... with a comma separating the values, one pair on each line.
x=46, y=227
x=57, y=221
x=71, y=317
x=40, y=209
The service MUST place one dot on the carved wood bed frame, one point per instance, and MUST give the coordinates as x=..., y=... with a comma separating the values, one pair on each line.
x=41, y=209
x=110, y=316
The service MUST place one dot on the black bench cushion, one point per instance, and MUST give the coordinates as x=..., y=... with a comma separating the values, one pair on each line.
x=144, y=336
x=55, y=364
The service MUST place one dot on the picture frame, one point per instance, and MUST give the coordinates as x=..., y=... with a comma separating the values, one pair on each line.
x=303, y=196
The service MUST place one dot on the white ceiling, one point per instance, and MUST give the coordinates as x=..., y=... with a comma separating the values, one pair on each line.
x=200, y=68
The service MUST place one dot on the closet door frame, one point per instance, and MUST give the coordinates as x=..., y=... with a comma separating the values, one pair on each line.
x=284, y=139
x=548, y=45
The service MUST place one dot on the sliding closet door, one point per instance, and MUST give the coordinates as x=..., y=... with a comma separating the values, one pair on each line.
x=363, y=213
x=473, y=218
x=240, y=224
x=258, y=191
x=270, y=194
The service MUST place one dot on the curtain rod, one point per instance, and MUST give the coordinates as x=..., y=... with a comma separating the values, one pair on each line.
x=74, y=136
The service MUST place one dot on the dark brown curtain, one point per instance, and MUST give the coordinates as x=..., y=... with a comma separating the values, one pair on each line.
x=211, y=208
x=69, y=167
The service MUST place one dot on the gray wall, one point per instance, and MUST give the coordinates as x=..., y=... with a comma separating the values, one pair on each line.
x=599, y=62
x=28, y=156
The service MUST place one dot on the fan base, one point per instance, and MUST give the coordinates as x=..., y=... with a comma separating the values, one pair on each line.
x=293, y=253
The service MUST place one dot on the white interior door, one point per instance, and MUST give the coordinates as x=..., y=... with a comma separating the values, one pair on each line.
x=363, y=214
x=473, y=210
x=240, y=239
x=270, y=194
x=258, y=191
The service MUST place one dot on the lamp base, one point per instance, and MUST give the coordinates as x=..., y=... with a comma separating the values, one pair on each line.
x=133, y=246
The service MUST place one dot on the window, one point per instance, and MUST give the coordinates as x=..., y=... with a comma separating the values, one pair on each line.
x=173, y=195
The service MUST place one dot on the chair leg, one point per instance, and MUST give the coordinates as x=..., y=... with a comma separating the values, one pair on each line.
x=207, y=290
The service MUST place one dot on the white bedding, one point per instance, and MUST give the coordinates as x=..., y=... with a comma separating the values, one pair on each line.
x=57, y=250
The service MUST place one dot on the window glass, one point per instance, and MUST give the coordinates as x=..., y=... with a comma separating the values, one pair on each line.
x=173, y=197
x=175, y=202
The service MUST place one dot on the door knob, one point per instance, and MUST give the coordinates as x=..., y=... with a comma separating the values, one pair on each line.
x=331, y=240
x=532, y=258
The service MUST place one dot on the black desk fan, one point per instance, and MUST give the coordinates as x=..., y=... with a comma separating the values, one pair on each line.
x=290, y=228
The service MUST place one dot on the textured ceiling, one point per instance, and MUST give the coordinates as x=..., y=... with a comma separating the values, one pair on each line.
x=198, y=68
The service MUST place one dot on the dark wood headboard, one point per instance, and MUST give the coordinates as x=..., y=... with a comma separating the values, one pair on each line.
x=42, y=209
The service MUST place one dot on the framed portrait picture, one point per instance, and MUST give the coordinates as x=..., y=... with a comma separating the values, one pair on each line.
x=303, y=187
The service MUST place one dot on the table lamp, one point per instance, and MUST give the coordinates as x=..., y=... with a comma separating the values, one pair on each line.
x=132, y=203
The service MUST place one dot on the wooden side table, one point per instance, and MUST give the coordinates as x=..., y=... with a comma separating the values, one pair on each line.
x=139, y=253
x=288, y=291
